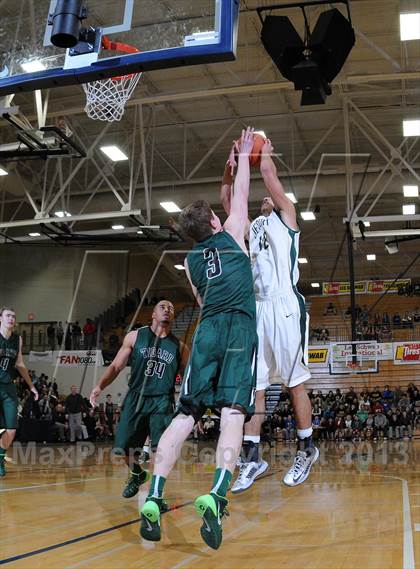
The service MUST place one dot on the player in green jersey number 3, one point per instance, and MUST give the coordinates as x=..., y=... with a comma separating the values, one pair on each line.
x=221, y=370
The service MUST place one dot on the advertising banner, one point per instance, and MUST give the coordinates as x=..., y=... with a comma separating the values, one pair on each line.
x=41, y=356
x=406, y=353
x=79, y=358
x=379, y=287
x=342, y=288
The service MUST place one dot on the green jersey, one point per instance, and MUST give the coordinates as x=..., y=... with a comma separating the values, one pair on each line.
x=221, y=272
x=154, y=363
x=9, y=350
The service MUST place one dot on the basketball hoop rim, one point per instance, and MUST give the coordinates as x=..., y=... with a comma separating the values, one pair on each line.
x=108, y=45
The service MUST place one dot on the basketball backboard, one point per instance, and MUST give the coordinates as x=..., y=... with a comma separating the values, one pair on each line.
x=347, y=358
x=167, y=33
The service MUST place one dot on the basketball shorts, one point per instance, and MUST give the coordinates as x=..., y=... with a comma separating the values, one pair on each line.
x=282, y=326
x=140, y=418
x=222, y=366
x=8, y=406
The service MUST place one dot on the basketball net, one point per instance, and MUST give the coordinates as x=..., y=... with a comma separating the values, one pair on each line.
x=106, y=98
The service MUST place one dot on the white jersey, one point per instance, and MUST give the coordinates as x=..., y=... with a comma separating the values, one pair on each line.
x=274, y=251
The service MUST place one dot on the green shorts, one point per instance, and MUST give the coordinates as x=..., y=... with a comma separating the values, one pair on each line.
x=8, y=406
x=222, y=367
x=140, y=418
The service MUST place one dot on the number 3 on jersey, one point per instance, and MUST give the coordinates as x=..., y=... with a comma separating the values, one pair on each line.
x=213, y=261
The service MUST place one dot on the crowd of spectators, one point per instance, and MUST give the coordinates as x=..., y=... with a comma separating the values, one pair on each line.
x=54, y=414
x=379, y=414
x=369, y=326
x=75, y=337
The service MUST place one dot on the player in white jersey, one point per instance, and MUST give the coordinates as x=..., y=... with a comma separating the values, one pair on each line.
x=282, y=323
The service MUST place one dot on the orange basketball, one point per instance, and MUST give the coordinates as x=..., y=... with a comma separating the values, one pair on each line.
x=255, y=156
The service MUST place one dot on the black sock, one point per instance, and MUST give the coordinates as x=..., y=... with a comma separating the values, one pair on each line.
x=250, y=451
x=305, y=444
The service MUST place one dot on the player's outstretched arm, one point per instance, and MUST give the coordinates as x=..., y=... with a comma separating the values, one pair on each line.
x=118, y=364
x=275, y=187
x=236, y=223
x=227, y=180
x=21, y=367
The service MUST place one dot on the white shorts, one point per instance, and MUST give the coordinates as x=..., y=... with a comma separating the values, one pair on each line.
x=282, y=327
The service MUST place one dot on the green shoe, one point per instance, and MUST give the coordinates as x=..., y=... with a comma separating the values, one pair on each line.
x=211, y=508
x=134, y=481
x=2, y=467
x=150, y=519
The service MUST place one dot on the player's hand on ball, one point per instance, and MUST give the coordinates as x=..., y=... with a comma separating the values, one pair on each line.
x=96, y=391
x=267, y=149
x=35, y=393
x=246, y=143
x=231, y=161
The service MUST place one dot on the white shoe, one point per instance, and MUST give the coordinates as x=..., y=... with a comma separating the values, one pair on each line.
x=249, y=471
x=301, y=468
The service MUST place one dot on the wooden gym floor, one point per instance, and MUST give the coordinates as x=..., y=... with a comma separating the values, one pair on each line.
x=359, y=509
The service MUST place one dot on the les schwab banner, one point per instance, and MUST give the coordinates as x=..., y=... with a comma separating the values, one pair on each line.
x=406, y=353
x=363, y=287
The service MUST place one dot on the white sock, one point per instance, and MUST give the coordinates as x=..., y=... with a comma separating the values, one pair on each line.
x=304, y=433
x=146, y=449
x=253, y=438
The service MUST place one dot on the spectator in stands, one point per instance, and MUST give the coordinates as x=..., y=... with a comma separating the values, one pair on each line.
x=74, y=406
x=380, y=424
x=114, y=342
x=407, y=321
x=89, y=334
x=347, y=313
x=60, y=334
x=289, y=430
x=413, y=392
x=340, y=427
x=385, y=318
x=393, y=426
x=324, y=335
x=363, y=413
x=68, y=336
x=416, y=314
x=348, y=428
x=330, y=309
x=89, y=420
x=76, y=335
x=60, y=424
x=369, y=422
x=388, y=394
x=51, y=336
x=396, y=319
x=405, y=422
x=364, y=314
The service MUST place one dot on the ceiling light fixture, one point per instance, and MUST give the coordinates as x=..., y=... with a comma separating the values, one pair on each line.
x=411, y=127
x=410, y=26
x=291, y=197
x=170, y=207
x=307, y=215
x=411, y=191
x=114, y=153
x=409, y=209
